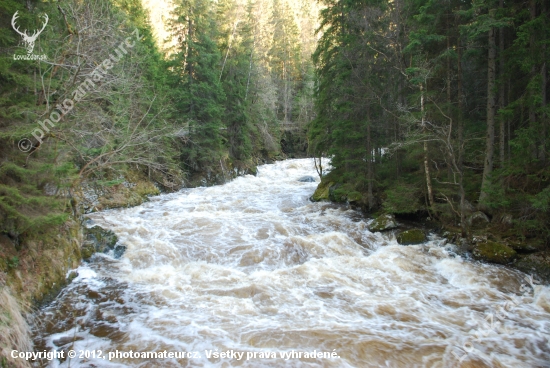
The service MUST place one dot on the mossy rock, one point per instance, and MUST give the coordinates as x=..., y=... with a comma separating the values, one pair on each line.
x=252, y=171
x=101, y=240
x=494, y=252
x=322, y=192
x=411, y=237
x=88, y=250
x=383, y=223
x=526, y=246
x=536, y=263
x=478, y=220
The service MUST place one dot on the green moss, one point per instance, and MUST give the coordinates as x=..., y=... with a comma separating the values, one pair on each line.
x=354, y=196
x=88, y=250
x=322, y=192
x=411, y=237
x=382, y=223
x=99, y=240
x=494, y=252
x=342, y=193
x=401, y=199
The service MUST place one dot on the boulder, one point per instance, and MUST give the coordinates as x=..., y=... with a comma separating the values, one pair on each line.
x=411, y=237
x=526, y=246
x=307, y=179
x=494, y=252
x=478, y=220
x=98, y=239
x=87, y=250
x=322, y=192
x=536, y=263
x=383, y=223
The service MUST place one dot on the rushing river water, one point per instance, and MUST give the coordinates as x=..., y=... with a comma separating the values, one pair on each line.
x=253, y=266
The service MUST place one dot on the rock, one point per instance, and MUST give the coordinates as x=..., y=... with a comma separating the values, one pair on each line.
x=494, y=252
x=119, y=251
x=87, y=250
x=536, y=263
x=322, y=192
x=98, y=239
x=383, y=223
x=411, y=237
x=477, y=220
x=526, y=246
x=71, y=276
x=307, y=179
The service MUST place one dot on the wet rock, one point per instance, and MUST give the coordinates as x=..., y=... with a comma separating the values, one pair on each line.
x=478, y=220
x=71, y=276
x=97, y=239
x=383, y=223
x=322, y=192
x=537, y=264
x=119, y=251
x=87, y=250
x=411, y=237
x=307, y=179
x=494, y=252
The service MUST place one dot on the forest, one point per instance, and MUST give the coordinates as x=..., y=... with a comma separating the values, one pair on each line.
x=234, y=90
x=426, y=109
x=437, y=107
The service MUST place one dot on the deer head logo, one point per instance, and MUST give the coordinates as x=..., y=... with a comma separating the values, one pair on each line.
x=28, y=39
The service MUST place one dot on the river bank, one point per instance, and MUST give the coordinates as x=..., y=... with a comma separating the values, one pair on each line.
x=492, y=238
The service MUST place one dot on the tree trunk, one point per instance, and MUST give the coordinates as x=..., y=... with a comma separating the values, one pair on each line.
x=229, y=47
x=460, y=122
x=426, y=157
x=502, y=101
x=370, y=174
x=532, y=46
x=449, y=101
x=544, y=85
x=190, y=71
x=491, y=103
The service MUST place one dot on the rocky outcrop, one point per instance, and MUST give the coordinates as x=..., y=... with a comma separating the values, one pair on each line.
x=537, y=264
x=121, y=192
x=411, y=237
x=100, y=240
x=493, y=252
x=383, y=223
x=322, y=192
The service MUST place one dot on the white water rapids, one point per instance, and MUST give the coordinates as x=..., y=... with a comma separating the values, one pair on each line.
x=254, y=266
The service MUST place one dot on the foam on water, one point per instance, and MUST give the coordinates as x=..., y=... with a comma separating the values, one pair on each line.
x=253, y=265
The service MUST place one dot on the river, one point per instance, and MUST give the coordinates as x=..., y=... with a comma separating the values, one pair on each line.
x=254, y=267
